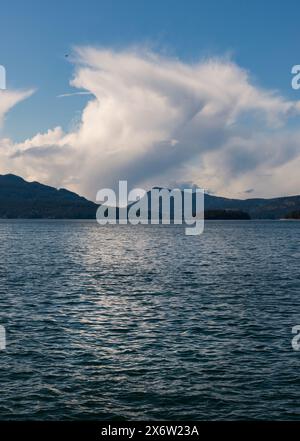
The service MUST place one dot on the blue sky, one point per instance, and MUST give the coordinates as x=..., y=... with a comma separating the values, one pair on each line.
x=205, y=97
x=35, y=36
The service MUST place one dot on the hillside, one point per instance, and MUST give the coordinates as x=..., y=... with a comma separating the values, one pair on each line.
x=257, y=208
x=274, y=208
x=32, y=200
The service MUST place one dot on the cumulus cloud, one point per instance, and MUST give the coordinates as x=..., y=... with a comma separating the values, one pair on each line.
x=155, y=120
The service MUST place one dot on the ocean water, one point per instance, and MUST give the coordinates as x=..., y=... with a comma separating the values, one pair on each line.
x=124, y=322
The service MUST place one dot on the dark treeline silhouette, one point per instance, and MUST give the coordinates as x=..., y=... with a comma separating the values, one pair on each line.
x=293, y=215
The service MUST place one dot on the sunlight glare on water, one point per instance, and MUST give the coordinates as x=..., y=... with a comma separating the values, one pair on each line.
x=147, y=323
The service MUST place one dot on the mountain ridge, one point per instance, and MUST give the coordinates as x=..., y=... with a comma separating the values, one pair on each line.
x=33, y=200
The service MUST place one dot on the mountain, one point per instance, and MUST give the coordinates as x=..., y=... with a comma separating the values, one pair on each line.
x=275, y=208
x=215, y=210
x=217, y=207
x=32, y=200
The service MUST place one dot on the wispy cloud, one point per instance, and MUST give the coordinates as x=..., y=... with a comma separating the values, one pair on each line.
x=64, y=95
x=9, y=98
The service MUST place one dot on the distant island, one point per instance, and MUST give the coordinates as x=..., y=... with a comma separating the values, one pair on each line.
x=226, y=215
x=294, y=215
x=20, y=199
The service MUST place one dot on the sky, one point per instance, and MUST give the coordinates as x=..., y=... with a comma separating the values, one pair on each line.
x=168, y=92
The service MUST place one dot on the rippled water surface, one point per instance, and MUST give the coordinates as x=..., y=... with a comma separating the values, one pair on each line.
x=147, y=323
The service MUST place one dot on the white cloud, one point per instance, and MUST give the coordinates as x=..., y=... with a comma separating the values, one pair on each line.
x=9, y=98
x=155, y=120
